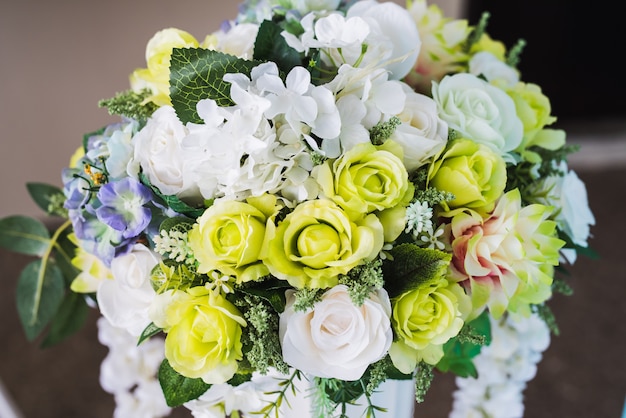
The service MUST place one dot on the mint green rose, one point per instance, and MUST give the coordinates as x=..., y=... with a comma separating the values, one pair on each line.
x=318, y=241
x=472, y=172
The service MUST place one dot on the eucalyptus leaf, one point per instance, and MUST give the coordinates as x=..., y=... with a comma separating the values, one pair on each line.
x=177, y=388
x=68, y=320
x=25, y=235
x=198, y=73
x=41, y=194
x=413, y=267
x=39, y=294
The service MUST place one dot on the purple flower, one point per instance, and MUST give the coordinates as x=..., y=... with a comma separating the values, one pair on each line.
x=123, y=206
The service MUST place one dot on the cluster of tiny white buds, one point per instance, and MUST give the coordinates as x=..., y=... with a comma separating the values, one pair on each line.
x=173, y=245
x=418, y=218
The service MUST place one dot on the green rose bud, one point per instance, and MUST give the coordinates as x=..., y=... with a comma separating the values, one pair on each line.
x=229, y=236
x=317, y=242
x=203, y=335
x=365, y=179
x=472, y=172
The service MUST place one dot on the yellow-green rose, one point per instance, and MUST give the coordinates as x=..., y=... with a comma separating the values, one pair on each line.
x=474, y=173
x=366, y=179
x=318, y=241
x=156, y=76
x=533, y=108
x=423, y=320
x=229, y=236
x=203, y=334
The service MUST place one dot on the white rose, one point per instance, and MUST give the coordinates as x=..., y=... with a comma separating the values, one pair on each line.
x=393, y=23
x=336, y=339
x=479, y=111
x=238, y=40
x=125, y=300
x=486, y=64
x=158, y=152
x=422, y=133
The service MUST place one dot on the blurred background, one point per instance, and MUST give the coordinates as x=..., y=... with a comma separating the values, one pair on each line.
x=58, y=59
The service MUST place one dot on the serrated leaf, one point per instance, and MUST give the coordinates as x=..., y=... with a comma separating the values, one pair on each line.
x=69, y=318
x=150, y=331
x=270, y=45
x=39, y=294
x=173, y=202
x=413, y=267
x=196, y=74
x=41, y=194
x=24, y=235
x=177, y=222
x=272, y=290
x=177, y=388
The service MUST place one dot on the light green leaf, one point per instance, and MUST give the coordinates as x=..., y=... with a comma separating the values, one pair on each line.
x=24, y=235
x=413, y=267
x=196, y=74
x=177, y=388
x=39, y=293
x=69, y=318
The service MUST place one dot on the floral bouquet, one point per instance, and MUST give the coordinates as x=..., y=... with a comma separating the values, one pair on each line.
x=320, y=196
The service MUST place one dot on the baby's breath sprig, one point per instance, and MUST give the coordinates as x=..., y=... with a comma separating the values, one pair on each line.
x=131, y=104
x=173, y=244
x=383, y=130
x=306, y=298
x=423, y=378
x=378, y=374
x=363, y=280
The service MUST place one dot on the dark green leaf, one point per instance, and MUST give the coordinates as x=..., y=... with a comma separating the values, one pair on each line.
x=179, y=389
x=172, y=202
x=272, y=290
x=39, y=293
x=413, y=267
x=196, y=74
x=41, y=194
x=24, y=235
x=458, y=352
x=64, y=251
x=270, y=45
x=68, y=320
x=150, y=331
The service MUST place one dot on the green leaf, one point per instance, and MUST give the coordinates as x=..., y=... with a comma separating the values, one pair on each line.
x=272, y=290
x=178, y=222
x=42, y=193
x=24, y=235
x=270, y=45
x=173, y=202
x=177, y=388
x=196, y=74
x=39, y=293
x=413, y=267
x=459, y=352
x=68, y=320
x=150, y=331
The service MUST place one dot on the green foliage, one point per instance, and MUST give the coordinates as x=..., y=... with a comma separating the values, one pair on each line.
x=173, y=202
x=69, y=318
x=477, y=32
x=306, y=299
x=362, y=280
x=413, y=267
x=24, y=235
x=40, y=291
x=459, y=351
x=270, y=45
x=177, y=388
x=383, y=130
x=285, y=386
x=131, y=104
x=270, y=290
x=198, y=73
x=423, y=379
x=514, y=54
x=546, y=314
x=150, y=331
x=47, y=197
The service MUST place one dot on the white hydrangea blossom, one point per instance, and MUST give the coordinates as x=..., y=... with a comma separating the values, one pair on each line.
x=129, y=372
x=504, y=368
